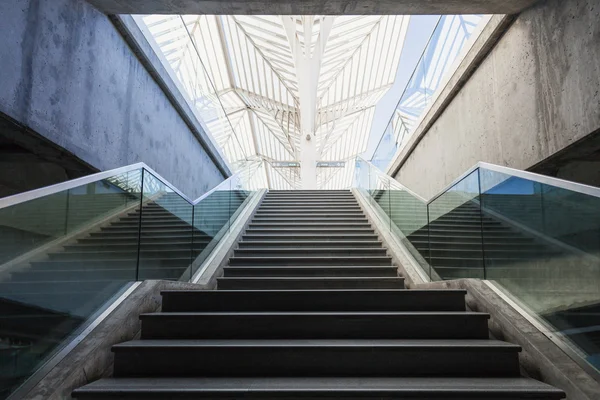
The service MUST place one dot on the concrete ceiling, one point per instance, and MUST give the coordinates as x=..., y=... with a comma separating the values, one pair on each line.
x=311, y=7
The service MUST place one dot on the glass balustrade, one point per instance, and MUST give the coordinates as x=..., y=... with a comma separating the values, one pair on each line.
x=65, y=255
x=536, y=238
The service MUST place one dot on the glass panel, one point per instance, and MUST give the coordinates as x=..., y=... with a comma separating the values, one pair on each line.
x=548, y=254
x=409, y=221
x=166, y=232
x=59, y=268
x=211, y=221
x=455, y=232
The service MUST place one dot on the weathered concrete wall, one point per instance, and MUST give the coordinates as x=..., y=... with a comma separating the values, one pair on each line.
x=69, y=75
x=537, y=92
x=311, y=7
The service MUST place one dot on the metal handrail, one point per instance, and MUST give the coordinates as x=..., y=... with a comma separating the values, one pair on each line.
x=74, y=183
x=532, y=176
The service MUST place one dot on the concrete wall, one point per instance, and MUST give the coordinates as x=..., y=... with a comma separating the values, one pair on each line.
x=69, y=75
x=537, y=92
x=311, y=7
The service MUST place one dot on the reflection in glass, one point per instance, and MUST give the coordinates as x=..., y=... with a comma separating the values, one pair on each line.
x=548, y=260
x=165, y=250
x=456, y=249
x=58, y=269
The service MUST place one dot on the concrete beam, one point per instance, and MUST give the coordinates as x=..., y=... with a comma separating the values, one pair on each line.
x=311, y=7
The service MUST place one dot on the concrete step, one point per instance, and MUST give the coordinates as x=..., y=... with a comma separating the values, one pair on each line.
x=318, y=237
x=309, y=230
x=248, y=244
x=514, y=388
x=316, y=213
x=315, y=325
x=316, y=224
x=341, y=196
x=307, y=219
x=309, y=271
x=256, y=251
x=311, y=208
x=313, y=300
x=317, y=357
x=309, y=260
x=279, y=283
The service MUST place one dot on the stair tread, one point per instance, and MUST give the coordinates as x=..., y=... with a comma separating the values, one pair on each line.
x=344, y=384
x=489, y=344
x=319, y=313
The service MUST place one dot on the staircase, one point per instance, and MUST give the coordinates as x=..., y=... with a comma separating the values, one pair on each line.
x=310, y=306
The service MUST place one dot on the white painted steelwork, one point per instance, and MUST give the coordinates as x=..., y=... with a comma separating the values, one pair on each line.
x=285, y=88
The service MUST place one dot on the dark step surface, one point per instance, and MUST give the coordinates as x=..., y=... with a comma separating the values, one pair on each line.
x=313, y=237
x=329, y=271
x=256, y=251
x=308, y=261
x=314, y=300
x=298, y=243
x=319, y=387
x=270, y=283
x=315, y=325
x=335, y=357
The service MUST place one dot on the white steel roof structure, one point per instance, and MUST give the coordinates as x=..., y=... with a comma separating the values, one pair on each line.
x=294, y=91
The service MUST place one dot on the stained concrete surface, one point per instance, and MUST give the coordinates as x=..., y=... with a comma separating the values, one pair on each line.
x=28, y=161
x=69, y=75
x=537, y=92
x=311, y=7
x=579, y=162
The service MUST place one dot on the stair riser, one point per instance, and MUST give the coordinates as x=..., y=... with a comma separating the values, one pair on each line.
x=309, y=272
x=327, y=326
x=249, y=244
x=316, y=261
x=313, y=361
x=307, y=220
x=318, y=300
x=303, y=284
x=309, y=225
x=318, y=238
x=326, y=252
x=304, y=230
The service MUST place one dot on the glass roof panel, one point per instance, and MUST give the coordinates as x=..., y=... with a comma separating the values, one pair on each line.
x=244, y=74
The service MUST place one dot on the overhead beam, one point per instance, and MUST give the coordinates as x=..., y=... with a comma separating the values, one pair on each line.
x=311, y=7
